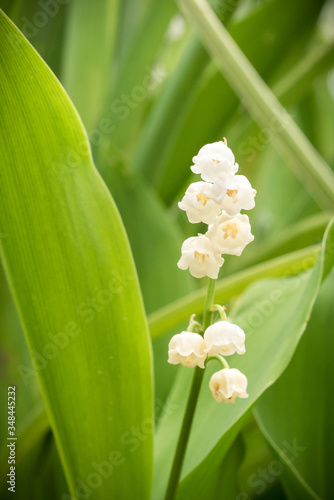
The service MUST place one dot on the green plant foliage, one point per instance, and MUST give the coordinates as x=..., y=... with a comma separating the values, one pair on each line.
x=214, y=103
x=258, y=312
x=305, y=407
x=89, y=39
x=70, y=270
x=262, y=104
x=207, y=481
x=152, y=83
x=173, y=314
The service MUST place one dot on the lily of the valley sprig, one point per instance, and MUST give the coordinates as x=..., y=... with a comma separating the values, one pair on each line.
x=216, y=201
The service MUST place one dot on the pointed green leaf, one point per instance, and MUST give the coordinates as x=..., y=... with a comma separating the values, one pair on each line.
x=71, y=272
x=302, y=436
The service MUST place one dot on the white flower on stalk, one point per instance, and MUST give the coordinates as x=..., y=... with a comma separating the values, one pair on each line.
x=230, y=234
x=214, y=161
x=239, y=195
x=199, y=256
x=187, y=348
x=224, y=338
x=228, y=384
x=199, y=203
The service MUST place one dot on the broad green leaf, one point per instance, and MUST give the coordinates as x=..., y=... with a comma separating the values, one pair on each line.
x=273, y=313
x=153, y=236
x=71, y=272
x=156, y=246
x=87, y=60
x=262, y=104
x=306, y=409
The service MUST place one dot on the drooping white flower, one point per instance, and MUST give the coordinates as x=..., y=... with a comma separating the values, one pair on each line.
x=224, y=338
x=199, y=256
x=187, y=348
x=199, y=203
x=239, y=195
x=230, y=234
x=214, y=161
x=228, y=384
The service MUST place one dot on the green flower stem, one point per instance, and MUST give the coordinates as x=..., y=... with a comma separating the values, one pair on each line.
x=221, y=360
x=210, y=294
x=195, y=326
x=221, y=310
x=191, y=406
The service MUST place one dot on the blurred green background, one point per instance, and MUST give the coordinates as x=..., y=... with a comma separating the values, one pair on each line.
x=150, y=96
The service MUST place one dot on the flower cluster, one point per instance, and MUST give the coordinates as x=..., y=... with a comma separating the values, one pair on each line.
x=217, y=201
x=222, y=338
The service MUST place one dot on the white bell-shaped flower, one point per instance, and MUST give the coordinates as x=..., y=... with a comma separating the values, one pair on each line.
x=239, y=195
x=228, y=384
x=199, y=256
x=224, y=338
x=230, y=234
x=199, y=204
x=187, y=348
x=214, y=161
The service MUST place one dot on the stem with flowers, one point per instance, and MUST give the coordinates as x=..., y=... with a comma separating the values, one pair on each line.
x=216, y=201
